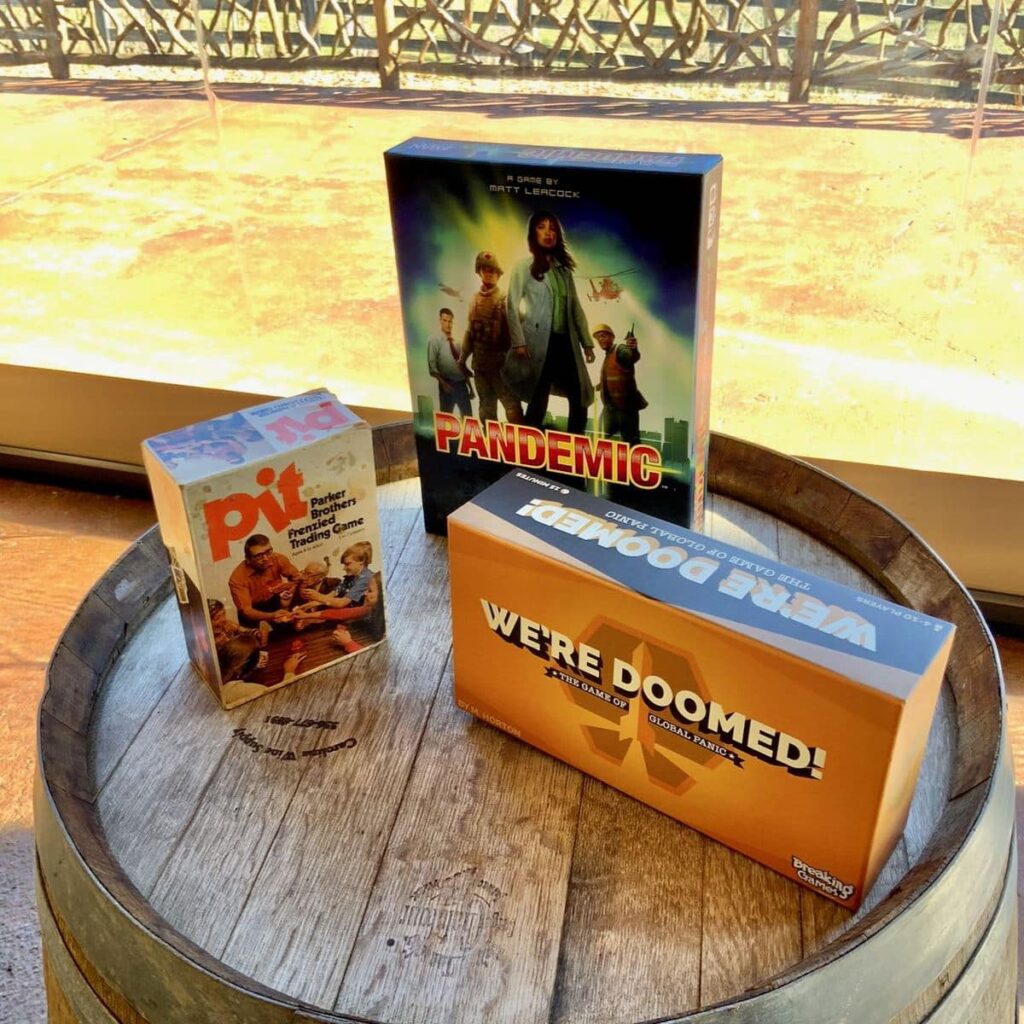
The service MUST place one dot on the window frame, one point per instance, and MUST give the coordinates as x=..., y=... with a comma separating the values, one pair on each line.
x=87, y=428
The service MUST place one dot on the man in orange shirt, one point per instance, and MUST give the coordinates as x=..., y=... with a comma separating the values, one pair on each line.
x=621, y=397
x=264, y=585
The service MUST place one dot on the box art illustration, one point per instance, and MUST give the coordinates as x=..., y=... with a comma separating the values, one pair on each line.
x=778, y=712
x=558, y=308
x=270, y=522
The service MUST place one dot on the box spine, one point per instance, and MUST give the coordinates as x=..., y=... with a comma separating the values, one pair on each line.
x=700, y=433
x=533, y=154
x=905, y=760
x=170, y=501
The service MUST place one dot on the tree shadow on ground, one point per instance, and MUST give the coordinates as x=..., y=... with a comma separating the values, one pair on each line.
x=953, y=122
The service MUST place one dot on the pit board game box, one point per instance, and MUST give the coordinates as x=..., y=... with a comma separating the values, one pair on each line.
x=558, y=307
x=778, y=712
x=269, y=517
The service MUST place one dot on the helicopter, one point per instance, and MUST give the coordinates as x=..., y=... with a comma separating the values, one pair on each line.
x=448, y=290
x=607, y=287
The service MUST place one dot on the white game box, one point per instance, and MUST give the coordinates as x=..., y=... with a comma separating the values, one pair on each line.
x=269, y=516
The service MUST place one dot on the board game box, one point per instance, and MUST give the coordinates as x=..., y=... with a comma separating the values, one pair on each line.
x=780, y=713
x=558, y=308
x=269, y=517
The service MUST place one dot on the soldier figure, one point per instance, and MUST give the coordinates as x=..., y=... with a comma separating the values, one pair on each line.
x=488, y=341
x=619, y=393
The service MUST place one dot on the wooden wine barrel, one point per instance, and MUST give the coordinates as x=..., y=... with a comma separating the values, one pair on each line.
x=353, y=848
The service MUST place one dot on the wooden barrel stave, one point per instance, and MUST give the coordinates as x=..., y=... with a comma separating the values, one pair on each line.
x=727, y=919
x=69, y=995
x=931, y=939
x=393, y=714
x=986, y=987
x=124, y=947
x=615, y=837
x=141, y=679
x=187, y=707
x=114, y=926
x=822, y=921
x=938, y=851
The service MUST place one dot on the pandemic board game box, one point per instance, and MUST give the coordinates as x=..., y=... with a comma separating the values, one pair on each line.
x=269, y=517
x=778, y=712
x=558, y=308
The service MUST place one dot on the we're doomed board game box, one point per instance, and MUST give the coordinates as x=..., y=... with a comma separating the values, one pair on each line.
x=558, y=308
x=269, y=517
x=778, y=712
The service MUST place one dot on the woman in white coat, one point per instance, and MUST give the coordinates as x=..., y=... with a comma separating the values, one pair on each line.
x=551, y=342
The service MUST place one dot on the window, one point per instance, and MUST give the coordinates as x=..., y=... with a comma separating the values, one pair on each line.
x=871, y=281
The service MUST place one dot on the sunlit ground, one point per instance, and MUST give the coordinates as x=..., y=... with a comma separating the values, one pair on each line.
x=870, y=290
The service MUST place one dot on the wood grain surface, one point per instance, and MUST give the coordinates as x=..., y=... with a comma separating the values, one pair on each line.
x=436, y=870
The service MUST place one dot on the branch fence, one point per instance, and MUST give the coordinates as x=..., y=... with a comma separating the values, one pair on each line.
x=931, y=48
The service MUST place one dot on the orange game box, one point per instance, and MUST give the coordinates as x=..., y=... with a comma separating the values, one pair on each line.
x=778, y=712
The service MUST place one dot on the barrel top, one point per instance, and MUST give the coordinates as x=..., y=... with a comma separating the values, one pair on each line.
x=355, y=846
